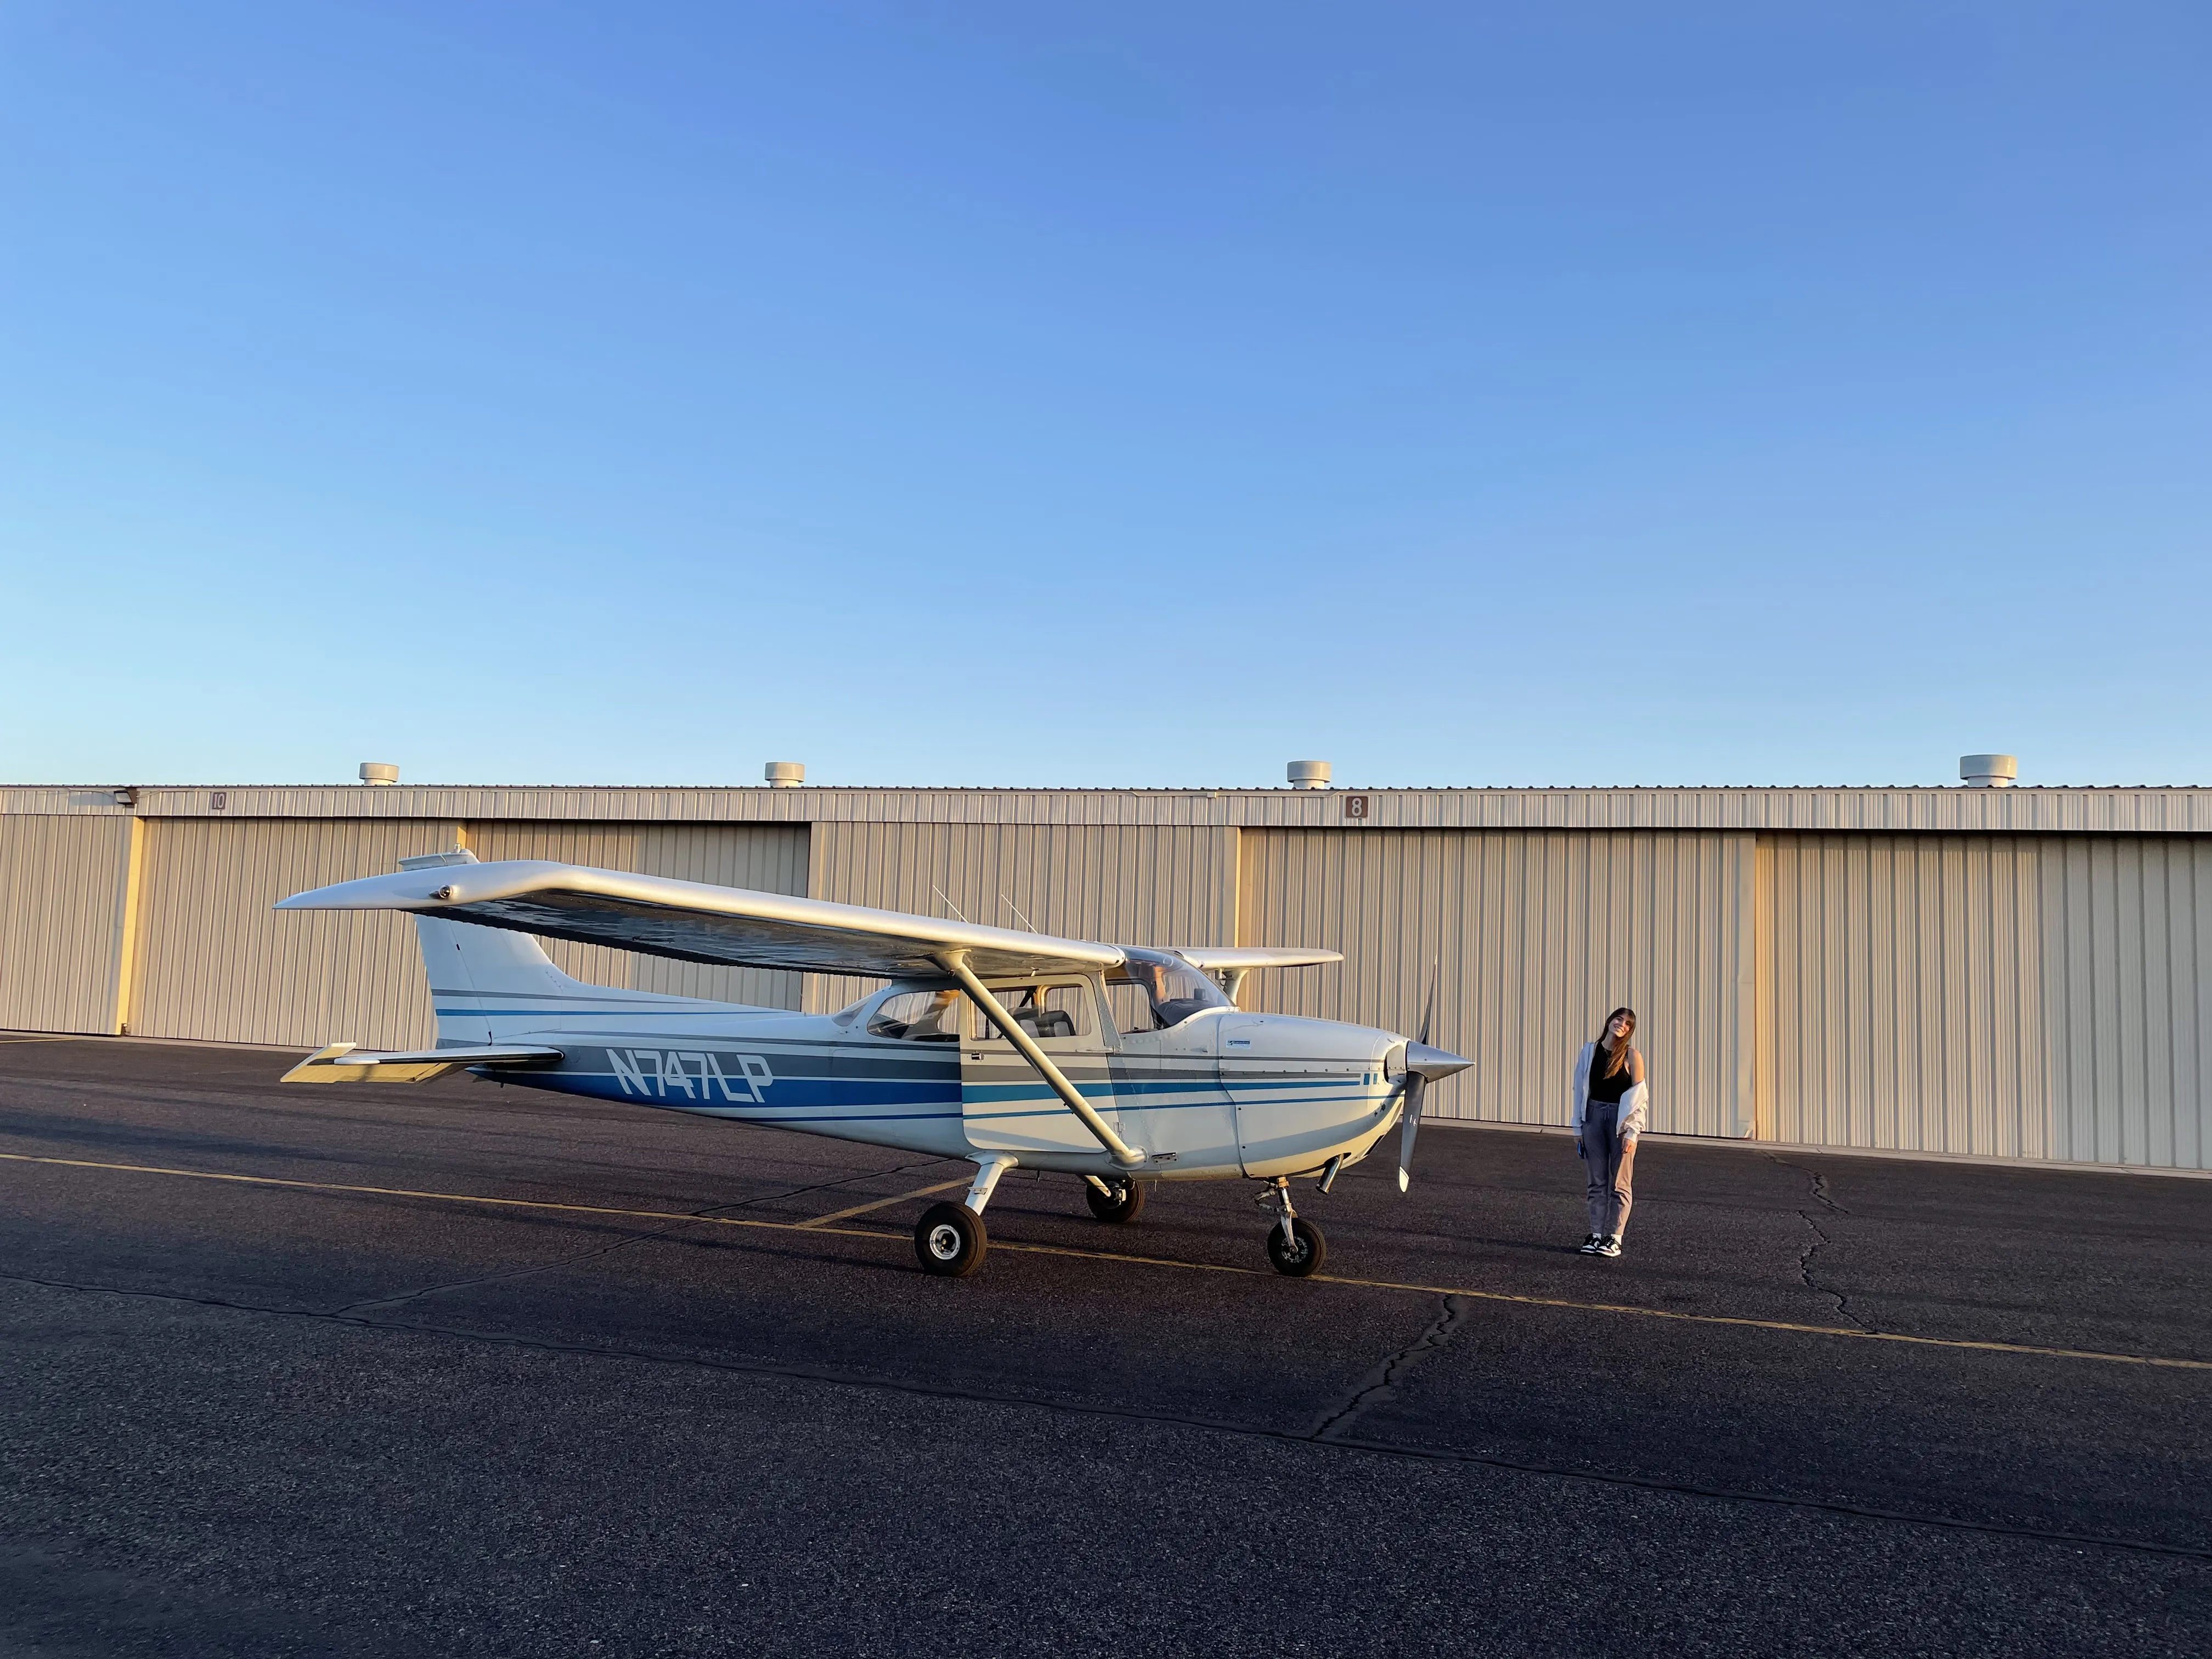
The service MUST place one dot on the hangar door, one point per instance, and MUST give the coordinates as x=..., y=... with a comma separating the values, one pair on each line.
x=215, y=962
x=2016, y=996
x=1535, y=934
x=61, y=882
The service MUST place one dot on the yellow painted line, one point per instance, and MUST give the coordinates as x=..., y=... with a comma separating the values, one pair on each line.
x=42, y=1039
x=1775, y=1324
x=448, y=1198
x=878, y=1203
x=820, y=1226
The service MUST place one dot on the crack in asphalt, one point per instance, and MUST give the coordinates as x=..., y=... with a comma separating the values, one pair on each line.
x=643, y=1235
x=399, y=1298
x=1820, y=1239
x=836, y=1377
x=1381, y=1383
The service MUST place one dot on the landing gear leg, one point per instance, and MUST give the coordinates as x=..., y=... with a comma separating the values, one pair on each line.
x=1295, y=1246
x=950, y=1240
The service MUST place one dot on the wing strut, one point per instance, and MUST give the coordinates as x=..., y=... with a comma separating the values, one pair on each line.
x=955, y=963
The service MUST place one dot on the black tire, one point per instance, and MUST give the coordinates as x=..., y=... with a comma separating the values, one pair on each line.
x=949, y=1241
x=1307, y=1259
x=1125, y=1203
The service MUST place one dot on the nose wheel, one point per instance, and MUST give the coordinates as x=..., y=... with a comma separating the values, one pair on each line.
x=1302, y=1254
x=1295, y=1245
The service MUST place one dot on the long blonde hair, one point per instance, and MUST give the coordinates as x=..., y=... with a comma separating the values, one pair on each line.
x=1619, y=1062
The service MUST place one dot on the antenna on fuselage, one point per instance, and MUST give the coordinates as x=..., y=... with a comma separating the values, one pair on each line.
x=1016, y=909
x=949, y=905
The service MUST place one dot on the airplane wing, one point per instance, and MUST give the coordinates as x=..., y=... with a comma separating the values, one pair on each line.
x=1242, y=958
x=694, y=921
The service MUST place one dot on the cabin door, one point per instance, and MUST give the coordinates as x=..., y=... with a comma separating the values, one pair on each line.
x=1005, y=1106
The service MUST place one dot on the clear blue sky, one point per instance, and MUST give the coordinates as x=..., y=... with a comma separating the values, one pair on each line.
x=1018, y=394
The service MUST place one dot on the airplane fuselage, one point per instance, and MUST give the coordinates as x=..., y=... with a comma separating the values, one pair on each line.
x=1222, y=1093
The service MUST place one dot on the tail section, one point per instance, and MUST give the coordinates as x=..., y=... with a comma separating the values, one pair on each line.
x=477, y=974
x=489, y=983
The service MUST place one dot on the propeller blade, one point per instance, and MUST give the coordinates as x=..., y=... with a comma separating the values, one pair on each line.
x=1416, y=1086
x=1424, y=1066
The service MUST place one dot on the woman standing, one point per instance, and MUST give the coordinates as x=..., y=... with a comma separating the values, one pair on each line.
x=1610, y=1098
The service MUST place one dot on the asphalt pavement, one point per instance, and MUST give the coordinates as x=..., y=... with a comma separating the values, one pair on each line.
x=459, y=1368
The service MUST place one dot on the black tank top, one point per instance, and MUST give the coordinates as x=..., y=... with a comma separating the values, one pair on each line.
x=1602, y=1087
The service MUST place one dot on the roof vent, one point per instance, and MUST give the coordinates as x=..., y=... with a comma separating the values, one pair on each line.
x=1990, y=771
x=1309, y=774
x=379, y=772
x=785, y=775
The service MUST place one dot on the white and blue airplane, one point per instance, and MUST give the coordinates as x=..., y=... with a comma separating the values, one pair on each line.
x=1117, y=1065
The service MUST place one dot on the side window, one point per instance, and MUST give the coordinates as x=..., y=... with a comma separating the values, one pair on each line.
x=1132, y=1007
x=1045, y=1010
x=918, y=1017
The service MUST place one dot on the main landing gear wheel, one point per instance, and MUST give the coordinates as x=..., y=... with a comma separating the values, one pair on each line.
x=1123, y=1201
x=949, y=1241
x=1296, y=1261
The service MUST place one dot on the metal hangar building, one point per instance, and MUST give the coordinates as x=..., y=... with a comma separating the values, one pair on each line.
x=2022, y=973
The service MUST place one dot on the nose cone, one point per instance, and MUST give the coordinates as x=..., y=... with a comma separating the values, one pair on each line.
x=1433, y=1063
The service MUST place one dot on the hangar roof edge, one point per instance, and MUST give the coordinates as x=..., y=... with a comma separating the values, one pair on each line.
x=2143, y=809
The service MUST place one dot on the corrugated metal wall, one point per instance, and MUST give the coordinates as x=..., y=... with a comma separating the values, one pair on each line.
x=2023, y=995
x=1900, y=993
x=1538, y=937
x=1128, y=884
x=216, y=962
x=62, y=921
x=2127, y=930
x=767, y=857
x=2044, y=997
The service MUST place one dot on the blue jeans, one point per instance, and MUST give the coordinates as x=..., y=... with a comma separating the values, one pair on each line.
x=1609, y=1164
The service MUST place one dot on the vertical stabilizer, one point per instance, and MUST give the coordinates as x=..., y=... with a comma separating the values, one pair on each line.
x=477, y=972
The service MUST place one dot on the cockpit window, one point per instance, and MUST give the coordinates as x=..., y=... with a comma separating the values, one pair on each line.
x=918, y=1017
x=1154, y=991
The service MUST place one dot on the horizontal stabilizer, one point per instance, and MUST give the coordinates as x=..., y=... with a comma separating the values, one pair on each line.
x=342, y=1062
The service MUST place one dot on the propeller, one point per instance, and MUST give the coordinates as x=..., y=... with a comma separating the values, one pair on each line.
x=1424, y=1066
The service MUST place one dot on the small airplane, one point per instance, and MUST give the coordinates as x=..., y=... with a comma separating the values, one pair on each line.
x=1118, y=1065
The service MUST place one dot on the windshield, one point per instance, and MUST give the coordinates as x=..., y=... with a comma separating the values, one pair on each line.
x=1153, y=991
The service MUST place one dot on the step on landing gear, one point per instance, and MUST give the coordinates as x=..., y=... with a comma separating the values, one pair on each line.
x=1295, y=1246
x=950, y=1240
x=1119, y=1198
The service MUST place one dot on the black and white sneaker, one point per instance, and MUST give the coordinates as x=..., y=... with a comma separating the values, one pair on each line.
x=1609, y=1245
x=1589, y=1246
